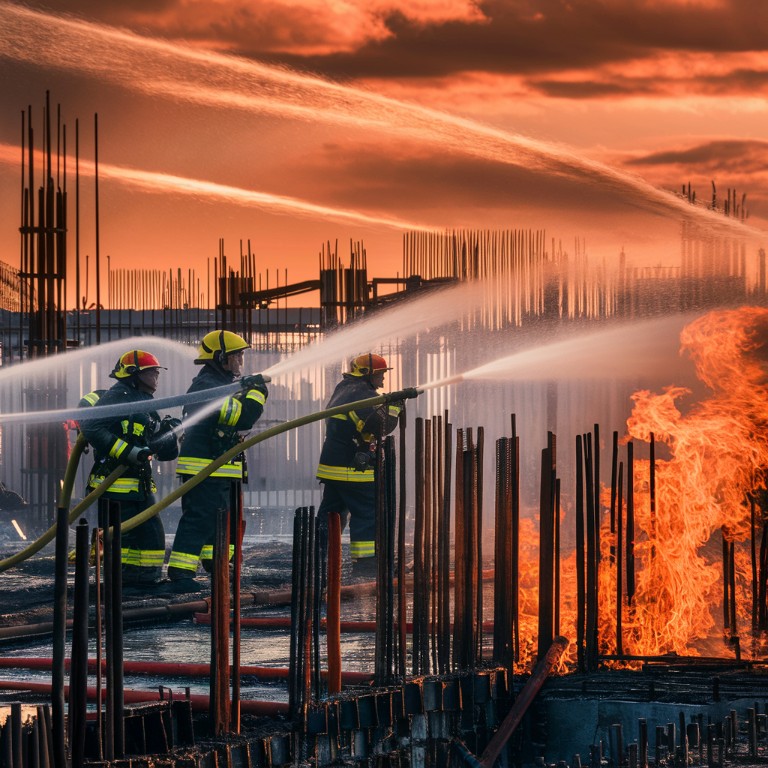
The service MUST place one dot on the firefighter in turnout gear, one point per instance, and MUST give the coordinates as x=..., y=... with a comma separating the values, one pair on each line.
x=132, y=439
x=346, y=467
x=209, y=433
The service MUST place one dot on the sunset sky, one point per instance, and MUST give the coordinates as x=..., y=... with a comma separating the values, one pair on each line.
x=291, y=123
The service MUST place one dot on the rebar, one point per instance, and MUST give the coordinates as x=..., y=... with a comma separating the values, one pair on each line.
x=591, y=563
x=547, y=546
x=386, y=524
x=614, y=490
x=333, y=620
x=581, y=599
x=477, y=524
x=301, y=613
x=630, y=535
x=401, y=552
x=619, y=561
x=78, y=667
x=238, y=531
x=420, y=637
x=108, y=601
x=220, y=712
x=444, y=555
x=116, y=610
x=59, y=637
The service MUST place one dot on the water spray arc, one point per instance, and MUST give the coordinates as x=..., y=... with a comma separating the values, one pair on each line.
x=219, y=81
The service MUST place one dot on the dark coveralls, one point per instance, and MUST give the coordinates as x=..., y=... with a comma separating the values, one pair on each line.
x=348, y=487
x=203, y=442
x=143, y=548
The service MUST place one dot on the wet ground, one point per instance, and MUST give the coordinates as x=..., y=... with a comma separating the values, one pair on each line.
x=26, y=599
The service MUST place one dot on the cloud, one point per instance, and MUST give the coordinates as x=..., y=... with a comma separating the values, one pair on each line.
x=734, y=166
x=398, y=160
x=446, y=190
x=593, y=49
x=271, y=27
x=547, y=36
x=751, y=155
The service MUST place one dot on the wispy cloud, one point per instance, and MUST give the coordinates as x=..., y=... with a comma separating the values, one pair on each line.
x=162, y=68
x=160, y=183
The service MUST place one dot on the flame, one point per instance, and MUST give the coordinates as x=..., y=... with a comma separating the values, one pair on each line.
x=715, y=459
x=528, y=596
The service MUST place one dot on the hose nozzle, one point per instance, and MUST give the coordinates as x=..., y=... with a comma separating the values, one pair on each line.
x=254, y=380
x=404, y=394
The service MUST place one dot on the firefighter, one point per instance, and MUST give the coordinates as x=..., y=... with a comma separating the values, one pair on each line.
x=346, y=467
x=208, y=434
x=132, y=439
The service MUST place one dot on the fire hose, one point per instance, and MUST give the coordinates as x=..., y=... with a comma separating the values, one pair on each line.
x=117, y=409
x=149, y=512
x=64, y=501
x=227, y=456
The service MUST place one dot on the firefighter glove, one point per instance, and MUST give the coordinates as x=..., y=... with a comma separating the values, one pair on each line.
x=169, y=423
x=362, y=461
x=255, y=381
x=138, y=455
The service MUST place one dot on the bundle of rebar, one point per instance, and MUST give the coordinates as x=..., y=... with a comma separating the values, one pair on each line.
x=303, y=606
x=506, y=624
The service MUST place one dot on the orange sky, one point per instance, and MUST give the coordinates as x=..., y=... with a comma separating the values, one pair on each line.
x=290, y=123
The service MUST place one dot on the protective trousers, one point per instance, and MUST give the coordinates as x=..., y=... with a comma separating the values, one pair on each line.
x=143, y=548
x=356, y=501
x=197, y=527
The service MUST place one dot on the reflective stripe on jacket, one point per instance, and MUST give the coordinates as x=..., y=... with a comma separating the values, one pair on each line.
x=112, y=438
x=124, y=486
x=355, y=431
x=191, y=465
x=221, y=428
x=344, y=474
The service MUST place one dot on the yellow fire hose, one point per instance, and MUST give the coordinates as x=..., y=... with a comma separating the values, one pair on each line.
x=64, y=501
x=149, y=512
x=370, y=402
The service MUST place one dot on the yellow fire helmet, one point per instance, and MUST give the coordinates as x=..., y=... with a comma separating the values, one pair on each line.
x=216, y=345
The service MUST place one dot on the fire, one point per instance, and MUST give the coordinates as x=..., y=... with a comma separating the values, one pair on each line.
x=711, y=463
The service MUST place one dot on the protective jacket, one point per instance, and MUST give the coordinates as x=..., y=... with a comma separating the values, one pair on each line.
x=113, y=438
x=350, y=436
x=213, y=434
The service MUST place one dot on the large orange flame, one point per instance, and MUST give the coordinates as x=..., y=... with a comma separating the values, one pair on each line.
x=716, y=457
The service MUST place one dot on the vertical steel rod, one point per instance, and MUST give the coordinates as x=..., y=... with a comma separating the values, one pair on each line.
x=333, y=618
x=238, y=530
x=619, y=562
x=220, y=700
x=401, y=554
x=109, y=706
x=445, y=551
x=580, y=558
x=418, y=638
x=117, y=631
x=630, y=535
x=78, y=668
x=59, y=636
x=546, y=550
